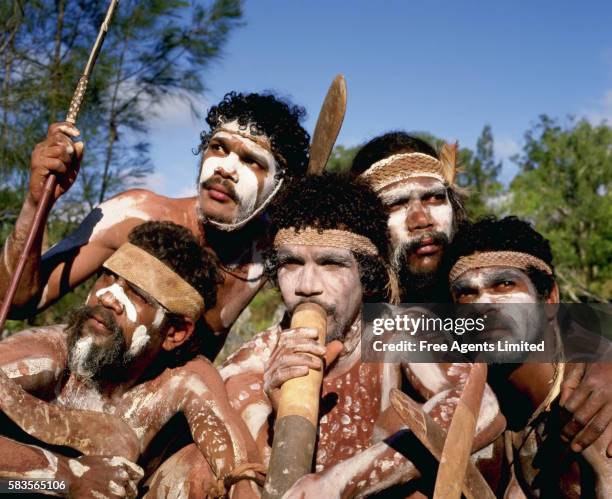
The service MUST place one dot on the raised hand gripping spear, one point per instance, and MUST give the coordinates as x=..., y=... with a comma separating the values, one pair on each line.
x=44, y=420
x=51, y=182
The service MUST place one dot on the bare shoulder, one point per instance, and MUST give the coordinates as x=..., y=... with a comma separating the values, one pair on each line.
x=198, y=376
x=253, y=355
x=51, y=339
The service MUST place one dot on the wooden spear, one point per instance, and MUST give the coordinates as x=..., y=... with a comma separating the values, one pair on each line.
x=51, y=182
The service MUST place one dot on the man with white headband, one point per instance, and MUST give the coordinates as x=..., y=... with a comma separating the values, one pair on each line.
x=331, y=248
x=506, y=266
x=255, y=143
x=110, y=382
x=417, y=185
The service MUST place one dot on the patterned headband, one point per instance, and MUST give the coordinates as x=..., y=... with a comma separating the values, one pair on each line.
x=414, y=164
x=327, y=237
x=514, y=259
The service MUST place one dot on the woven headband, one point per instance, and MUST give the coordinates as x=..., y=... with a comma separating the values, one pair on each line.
x=407, y=165
x=151, y=275
x=327, y=237
x=514, y=259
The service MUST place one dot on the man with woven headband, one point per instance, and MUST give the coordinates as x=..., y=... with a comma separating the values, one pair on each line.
x=110, y=382
x=503, y=264
x=255, y=143
x=330, y=248
x=425, y=205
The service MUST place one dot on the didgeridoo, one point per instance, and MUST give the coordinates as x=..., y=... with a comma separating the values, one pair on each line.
x=295, y=430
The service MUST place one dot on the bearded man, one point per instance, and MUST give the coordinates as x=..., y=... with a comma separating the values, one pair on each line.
x=417, y=185
x=254, y=144
x=503, y=263
x=331, y=249
x=111, y=382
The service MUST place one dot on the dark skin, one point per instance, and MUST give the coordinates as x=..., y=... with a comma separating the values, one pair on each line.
x=586, y=392
x=48, y=277
x=531, y=381
x=141, y=396
x=419, y=207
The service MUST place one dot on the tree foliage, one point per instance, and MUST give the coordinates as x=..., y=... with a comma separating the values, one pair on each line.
x=155, y=50
x=564, y=187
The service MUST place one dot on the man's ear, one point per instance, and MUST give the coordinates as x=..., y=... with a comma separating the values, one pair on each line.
x=179, y=331
x=552, y=302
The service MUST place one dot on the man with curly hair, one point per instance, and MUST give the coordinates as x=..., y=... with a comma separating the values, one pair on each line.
x=254, y=144
x=110, y=382
x=330, y=248
x=417, y=185
x=508, y=266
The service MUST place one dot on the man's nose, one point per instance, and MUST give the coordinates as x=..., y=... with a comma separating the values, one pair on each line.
x=227, y=167
x=110, y=301
x=418, y=218
x=308, y=283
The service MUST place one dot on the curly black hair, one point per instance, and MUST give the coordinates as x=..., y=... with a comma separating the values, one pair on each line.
x=506, y=234
x=397, y=142
x=334, y=201
x=178, y=248
x=269, y=115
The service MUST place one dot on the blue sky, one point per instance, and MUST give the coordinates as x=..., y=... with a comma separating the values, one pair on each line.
x=440, y=66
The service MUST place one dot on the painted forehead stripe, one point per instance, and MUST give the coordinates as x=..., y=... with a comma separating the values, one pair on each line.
x=162, y=283
x=329, y=237
x=514, y=259
x=261, y=140
x=404, y=166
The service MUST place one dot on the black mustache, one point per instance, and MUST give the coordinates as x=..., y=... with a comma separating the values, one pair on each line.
x=226, y=184
x=437, y=238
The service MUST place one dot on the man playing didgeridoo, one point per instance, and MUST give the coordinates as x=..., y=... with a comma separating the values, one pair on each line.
x=110, y=381
x=254, y=144
x=506, y=266
x=330, y=249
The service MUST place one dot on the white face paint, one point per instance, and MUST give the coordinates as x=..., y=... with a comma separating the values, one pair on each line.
x=516, y=313
x=117, y=292
x=236, y=165
x=140, y=338
x=79, y=355
x=324, y=275
x=412, y=198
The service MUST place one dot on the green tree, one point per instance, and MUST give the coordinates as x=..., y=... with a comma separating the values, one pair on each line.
x=479, y=173
x=564, y=187
x=341, y=159
x=155, y=50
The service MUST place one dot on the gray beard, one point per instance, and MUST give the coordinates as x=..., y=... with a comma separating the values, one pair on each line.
x=90, y=361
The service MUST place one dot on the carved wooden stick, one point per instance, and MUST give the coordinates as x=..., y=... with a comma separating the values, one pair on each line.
x=433, y=436
x=295, y=430
x=51, y=182
x=460, y=436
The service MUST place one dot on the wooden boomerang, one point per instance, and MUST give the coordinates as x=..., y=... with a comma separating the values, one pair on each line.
x=432, y=436
x=328, y=126
x=460, y=436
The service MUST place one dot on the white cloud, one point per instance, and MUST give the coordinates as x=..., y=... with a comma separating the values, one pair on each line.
x=601, y=111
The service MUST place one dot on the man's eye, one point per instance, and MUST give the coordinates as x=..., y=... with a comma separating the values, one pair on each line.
x=435, y=199
x=217, y=147
x=504, y=285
